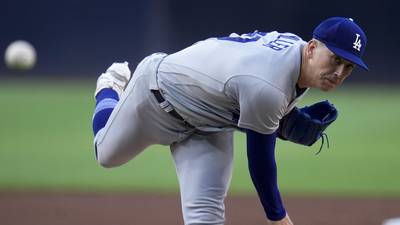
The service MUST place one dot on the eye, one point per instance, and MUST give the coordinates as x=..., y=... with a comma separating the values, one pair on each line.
x=349, y=66
x=338, y=60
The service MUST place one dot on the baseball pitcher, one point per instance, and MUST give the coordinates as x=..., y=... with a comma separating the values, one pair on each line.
x=194, y=99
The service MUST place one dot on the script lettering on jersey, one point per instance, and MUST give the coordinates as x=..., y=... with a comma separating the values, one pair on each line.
x=244, y=38
x=282, y=41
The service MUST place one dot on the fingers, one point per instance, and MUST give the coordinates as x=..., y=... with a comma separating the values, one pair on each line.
x=285, y=221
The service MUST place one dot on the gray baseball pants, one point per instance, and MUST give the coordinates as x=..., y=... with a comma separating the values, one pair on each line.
x=203, y=161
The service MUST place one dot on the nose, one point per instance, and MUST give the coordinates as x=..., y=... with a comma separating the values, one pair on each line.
x=340, y=71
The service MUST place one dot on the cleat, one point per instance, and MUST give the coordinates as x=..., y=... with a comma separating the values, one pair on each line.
x=115, y=77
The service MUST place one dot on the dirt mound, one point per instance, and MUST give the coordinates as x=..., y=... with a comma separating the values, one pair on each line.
x=155, y=209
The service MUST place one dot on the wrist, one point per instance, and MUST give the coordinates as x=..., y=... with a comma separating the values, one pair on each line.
x=277, y=216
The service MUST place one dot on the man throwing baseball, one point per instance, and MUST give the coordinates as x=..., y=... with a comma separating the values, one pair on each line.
x=194, y=99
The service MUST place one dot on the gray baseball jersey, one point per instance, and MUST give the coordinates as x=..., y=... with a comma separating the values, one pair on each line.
x=219, y=84
x=246, y=81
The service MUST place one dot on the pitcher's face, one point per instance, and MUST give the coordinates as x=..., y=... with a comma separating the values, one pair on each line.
x=327, y=70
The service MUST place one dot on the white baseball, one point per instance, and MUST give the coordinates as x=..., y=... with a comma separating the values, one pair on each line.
x=20, y=55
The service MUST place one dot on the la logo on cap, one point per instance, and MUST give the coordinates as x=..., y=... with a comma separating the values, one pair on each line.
x=357, y=43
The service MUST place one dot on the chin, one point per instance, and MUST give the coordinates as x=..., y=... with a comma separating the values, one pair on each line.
x=324, y=89
x=327, y=88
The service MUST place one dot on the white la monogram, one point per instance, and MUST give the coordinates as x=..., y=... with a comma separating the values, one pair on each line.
x=357, y=43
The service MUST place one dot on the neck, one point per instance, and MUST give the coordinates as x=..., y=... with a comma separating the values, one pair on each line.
x=302, y=81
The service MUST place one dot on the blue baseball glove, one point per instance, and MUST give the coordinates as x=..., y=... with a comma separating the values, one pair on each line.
x=306, y=125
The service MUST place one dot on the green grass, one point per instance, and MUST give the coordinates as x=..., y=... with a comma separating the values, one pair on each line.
x=46, y=143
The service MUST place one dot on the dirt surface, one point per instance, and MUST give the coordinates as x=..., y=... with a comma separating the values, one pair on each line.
x=147, y=209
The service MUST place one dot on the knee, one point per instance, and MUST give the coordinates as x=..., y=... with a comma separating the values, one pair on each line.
x=106, y=163
x=106, y=160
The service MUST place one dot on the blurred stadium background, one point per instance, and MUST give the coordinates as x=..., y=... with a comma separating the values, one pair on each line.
x=79, y=38
x=45, y=113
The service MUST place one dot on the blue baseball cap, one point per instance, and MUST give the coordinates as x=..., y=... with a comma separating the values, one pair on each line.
x=344, y=38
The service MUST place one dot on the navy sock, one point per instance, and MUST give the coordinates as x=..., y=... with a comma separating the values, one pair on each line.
x=106, y=100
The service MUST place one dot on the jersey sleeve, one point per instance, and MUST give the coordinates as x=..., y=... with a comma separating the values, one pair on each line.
x=263, y=172
x=261, y=104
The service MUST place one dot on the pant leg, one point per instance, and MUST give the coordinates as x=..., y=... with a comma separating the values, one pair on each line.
x=136, y=122
x=204, y=168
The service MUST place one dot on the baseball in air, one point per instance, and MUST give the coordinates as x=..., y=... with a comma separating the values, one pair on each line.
x=20, y=55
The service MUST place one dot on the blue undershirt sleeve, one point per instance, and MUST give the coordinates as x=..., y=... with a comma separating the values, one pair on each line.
x=263, y=172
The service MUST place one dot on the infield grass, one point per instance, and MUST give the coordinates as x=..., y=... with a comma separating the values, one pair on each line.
x=46, y=143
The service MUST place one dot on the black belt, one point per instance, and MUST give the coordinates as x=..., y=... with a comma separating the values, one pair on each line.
x=167, y=107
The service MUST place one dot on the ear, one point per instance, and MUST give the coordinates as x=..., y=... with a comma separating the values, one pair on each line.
x=310, y=48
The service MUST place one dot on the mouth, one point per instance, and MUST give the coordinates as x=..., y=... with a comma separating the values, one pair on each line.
x=329, y=83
